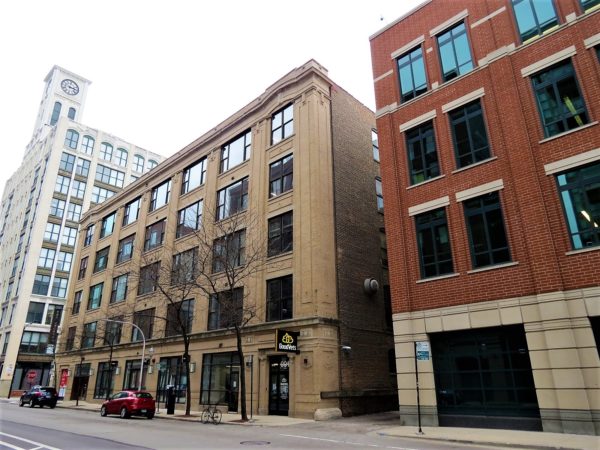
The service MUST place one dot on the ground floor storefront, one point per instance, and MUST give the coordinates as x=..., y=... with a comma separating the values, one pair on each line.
x=528, y=363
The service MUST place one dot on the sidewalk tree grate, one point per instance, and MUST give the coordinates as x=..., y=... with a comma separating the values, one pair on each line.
x=255, y=443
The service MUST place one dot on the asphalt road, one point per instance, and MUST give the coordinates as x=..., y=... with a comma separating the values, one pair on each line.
x=65, y=429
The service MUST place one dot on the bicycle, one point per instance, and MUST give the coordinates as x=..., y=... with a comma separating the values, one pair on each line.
x=212, y=413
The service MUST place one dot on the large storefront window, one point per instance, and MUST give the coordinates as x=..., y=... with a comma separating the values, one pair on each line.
x=171, y=373
x=220, y=379
x=132, y=375
x=105, y=382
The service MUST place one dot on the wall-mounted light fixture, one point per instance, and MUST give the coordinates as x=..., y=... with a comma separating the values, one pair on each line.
x=150, y=368
x=370, y=286
x=192, y=367
x=117, y=370
x=91, y=371
x=346, y=349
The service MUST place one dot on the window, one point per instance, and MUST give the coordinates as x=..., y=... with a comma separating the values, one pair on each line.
x=6, y=340
x=100, y=194
x=110, y=176
x=375, y=140
x=232, y=199
x=281, y=232
x=54, y=314
x=236, y=151
x=83, y=167
x=587, y=5
x=485, y=225
x=87, y=145
x=33, y=342
x=189, y=219
x=119, y=288
x=52, y=232
x=148, y=278
x=132, y=375
x=55, y=113
x=89, y=335
x=411, y=71
x=229, y=251
x=179, y=317
x=106, y=151
x=160, y=195
x=152, y=164
x=83, y=264
x=67, y=162
x=422, y=154
x=71, y=114
x=57, y=207
x=282, y=124
x=121, y=157
x=74, y=212
x=138, y=163
x=469, y=135
x=379, y=194
x=155, y=235
x=281, y=176
x=173, y=374
x=78, y=189
x=279, y=299
x=59, y=287
x=455, y=54
x=70, y=338
x=62, y=185
x=76, y=302
x=183, y=269
x=125, y=250
x=218, y=369
x=95, y=298
x=194, y=176
x=41, y=283
x=46, y=259
x=69, y=236
x=534, y=17
x=131, y=212
x=559, y=101
x=113, y=331
x=71, y=139
x=435, y=254
x=89, y=235
x=101, y=261
x=226, y=309
x=35, y=312
x=64, y=261
x=580, y=194
x=145, y=320
x=108, y=225
x=105, y=381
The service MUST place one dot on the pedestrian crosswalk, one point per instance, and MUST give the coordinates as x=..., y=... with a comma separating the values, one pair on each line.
x=12, y=442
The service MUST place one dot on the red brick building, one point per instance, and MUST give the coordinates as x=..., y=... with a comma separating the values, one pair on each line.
x=487, y=113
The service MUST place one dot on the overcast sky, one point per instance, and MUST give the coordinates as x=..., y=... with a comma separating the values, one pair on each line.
x=165, y=72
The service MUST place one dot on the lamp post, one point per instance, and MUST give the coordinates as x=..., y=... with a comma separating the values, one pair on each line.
x=143, y=345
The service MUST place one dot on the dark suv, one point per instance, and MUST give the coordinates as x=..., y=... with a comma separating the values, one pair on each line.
x=39, y=395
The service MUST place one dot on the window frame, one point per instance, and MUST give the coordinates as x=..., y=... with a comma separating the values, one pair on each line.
x=279, y=176
x=127, y=212
x=158, y=190
x=226, y=151
x=419, y=134
x=455, y=72
x=538, y=29
x=227, y=204
x=432, y=222
x=95, y=296
x=411, y=63
x=280, y=301
x=121, y=255
x=157, y=228
x=278, y=132
x=463, y=115
x=101, y=259
x=119, y=288
x=189, y=182
x=280, y=235
x=184, y=219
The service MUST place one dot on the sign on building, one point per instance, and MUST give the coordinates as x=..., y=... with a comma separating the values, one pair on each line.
x=286, y=341
x=422, y=351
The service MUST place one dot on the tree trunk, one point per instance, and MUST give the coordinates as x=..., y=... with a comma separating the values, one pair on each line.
x=240, y=351
x=188, y=391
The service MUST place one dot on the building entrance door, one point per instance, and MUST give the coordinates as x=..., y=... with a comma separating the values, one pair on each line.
x=279, y=385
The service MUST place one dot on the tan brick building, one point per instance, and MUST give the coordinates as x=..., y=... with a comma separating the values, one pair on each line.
x=301, y=159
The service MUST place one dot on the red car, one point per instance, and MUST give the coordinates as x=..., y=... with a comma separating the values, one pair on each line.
x=129, y=403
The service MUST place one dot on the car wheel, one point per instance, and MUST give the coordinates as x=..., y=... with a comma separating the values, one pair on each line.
x=150, y=415
x=31, y=403
x=103, y=411
x=52, y=405
x=21, y=403
x=124, y=414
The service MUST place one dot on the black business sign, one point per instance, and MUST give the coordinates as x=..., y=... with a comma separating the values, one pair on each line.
x=286, y=341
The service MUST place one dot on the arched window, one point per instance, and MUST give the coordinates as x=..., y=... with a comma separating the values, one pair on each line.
x=87, y=145
x=106, y=151
x=138, y=163
x=152, y=164
x=72, y=139
x=121, y=157
x=55, y=113
x=72, y=113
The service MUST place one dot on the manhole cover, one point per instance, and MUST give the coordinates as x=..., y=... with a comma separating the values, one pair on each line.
x=255, y=442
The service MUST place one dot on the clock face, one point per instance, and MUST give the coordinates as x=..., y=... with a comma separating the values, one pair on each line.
x=69, y=86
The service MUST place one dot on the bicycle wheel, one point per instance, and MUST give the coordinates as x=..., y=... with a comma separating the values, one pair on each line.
x=205, y=416
x=217, y=416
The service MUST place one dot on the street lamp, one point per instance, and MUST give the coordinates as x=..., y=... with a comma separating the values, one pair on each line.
x=143, y=345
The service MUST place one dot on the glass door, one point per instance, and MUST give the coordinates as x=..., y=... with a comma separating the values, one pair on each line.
x=279, y=385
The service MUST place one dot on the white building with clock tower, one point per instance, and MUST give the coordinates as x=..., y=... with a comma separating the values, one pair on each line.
x=67, y=166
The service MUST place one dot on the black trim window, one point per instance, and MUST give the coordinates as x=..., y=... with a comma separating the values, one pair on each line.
x=232, y=199
x=487, y=236
x=282, y=124
x=108, y=225
x=229, y=251
x=145, y=320
x=455, y=53
x=183, y=269
x=160, y=195
x=105, y=381
x=375, y=142
x=225, y=309
x=155, y=234
x=534, y=17
x=88, y=339
x=131, y=211
x=119, y=288
x=76, y=302
x=411, y=71
x=101, y=261
x=95, y=298
x=70, y=343
x=89, y=235
x=218, y=369
x=281, y=233
x=83, y=167
x=148, y=278
x=580, y=195
x=87, y=145
x=587, y=5
x=236, y=151
x=110, y=176
x=433, y=239
x=83, y=264
x=280, y=299
x=125, y=250
x=189, y=219
x=180, y=317
x=422, y=154
x=193, y=176
x=106, y=151
x=559, y=99
x=379, y=194
x=469, y=135
x=281, y=176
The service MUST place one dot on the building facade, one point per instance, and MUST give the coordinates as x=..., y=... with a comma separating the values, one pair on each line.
x=297, y=168
x=487, y=113
x=67, y=167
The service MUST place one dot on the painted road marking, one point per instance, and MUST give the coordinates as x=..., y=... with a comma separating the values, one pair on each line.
x=346, y=442
x=39, y=444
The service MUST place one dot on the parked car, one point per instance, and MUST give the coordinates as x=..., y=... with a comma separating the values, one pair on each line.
x=39, y=395
x=129, y=403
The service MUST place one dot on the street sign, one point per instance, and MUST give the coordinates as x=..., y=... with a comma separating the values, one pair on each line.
x=422, y=350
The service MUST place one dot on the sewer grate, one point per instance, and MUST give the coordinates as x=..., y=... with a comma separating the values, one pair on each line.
x=255, y=443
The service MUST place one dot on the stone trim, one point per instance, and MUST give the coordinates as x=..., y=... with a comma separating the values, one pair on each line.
x=448, y=23
x=478, y=93
x=572, y=162
x=414, y=43
x=488, y=17
x=418, y=120
x=381, y=77
x=592, y=41
x=479, y=190
x=548, y=61
x=428, y=206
